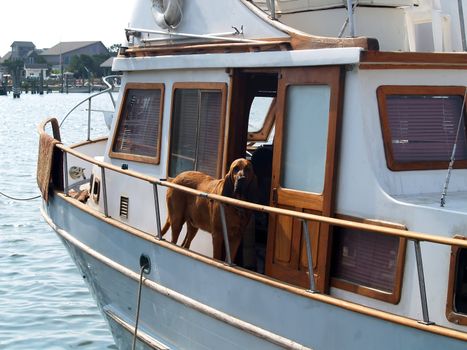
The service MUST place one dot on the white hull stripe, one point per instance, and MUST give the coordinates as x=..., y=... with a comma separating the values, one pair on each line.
x=183, y=299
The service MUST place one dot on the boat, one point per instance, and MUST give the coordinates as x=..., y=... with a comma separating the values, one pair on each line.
x=352, y=114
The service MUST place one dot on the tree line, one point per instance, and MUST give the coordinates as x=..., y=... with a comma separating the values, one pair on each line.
x=82, y=66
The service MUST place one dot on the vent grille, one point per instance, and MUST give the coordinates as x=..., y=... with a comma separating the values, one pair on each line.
x=124, y=202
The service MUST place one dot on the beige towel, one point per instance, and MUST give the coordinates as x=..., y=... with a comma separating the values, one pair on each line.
x=49, y=165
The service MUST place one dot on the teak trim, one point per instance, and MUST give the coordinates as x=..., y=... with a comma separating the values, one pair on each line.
x=222, y=87
x=216, y=47
x=389, y=297
x=412, y=60
x=451, y=314
x=387, y=90
x=135, y=157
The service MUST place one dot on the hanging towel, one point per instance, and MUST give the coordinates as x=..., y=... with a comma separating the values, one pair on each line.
x=49, y=165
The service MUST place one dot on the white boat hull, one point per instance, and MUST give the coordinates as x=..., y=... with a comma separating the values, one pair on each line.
x=208, y=306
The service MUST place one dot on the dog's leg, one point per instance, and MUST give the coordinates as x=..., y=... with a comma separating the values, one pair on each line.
x=175, y=214
x=190, y=234
x=176, y=229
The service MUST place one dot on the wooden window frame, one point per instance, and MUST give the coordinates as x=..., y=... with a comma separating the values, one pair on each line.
x=263, y=133
x=222, y=87
x=387, y=90
x=374, y=293
x=451, y=314
x=136, y=157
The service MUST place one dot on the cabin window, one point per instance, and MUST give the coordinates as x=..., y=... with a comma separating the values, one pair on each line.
x=261, y=119
x=138, y=133
x=197, y=122
x=421, y=124
x=368, y=263
x=456, y=306
x=305, y=131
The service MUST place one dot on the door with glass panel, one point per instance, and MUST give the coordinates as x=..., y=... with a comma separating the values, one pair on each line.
x=304, y=168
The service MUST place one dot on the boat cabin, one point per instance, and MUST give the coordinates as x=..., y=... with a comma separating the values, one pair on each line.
x=329, y=132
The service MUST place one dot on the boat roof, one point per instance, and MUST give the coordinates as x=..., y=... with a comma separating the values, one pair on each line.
x=238, y=33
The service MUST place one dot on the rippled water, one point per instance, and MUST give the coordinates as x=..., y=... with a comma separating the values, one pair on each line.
x=44, y=303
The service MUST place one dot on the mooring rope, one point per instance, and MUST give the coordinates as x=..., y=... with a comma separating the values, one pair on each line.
x=20, y=199
x=138, y=303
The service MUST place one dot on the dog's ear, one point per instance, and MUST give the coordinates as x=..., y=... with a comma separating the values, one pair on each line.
x=228, y=189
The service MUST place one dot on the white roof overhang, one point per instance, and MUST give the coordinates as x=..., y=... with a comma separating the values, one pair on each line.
x=293, y=58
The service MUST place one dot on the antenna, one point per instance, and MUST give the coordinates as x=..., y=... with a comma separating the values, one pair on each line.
x=451, y=162
x=351, y=18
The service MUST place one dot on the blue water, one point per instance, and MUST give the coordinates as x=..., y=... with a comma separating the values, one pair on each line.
x=44, y=302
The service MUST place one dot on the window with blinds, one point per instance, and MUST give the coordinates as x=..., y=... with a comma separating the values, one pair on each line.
x=367, y=263
x=421, y=125
x=196, y=134
x=138, y=133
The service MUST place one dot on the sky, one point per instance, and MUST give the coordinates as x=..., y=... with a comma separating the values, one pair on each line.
x=47, y=22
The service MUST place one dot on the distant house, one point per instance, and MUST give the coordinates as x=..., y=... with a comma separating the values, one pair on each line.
x=24, y=51
x=35, y=70
x=62, y=53
x=21, y=49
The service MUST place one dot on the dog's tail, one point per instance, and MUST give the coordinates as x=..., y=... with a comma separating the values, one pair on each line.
x=166, y=227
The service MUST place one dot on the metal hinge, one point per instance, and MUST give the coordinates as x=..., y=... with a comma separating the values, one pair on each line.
x=274, y=195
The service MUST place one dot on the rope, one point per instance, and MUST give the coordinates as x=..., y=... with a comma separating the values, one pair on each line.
x=138, y=303
x=19, y=199
x=451, y=162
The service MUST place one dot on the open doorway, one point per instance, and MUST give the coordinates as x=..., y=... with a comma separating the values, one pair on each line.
x=294, y=153
x=251, y=136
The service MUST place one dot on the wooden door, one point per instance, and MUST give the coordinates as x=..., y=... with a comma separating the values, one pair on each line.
x=304, y=168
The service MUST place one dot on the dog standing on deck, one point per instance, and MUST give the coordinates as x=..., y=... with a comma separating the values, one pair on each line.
x=204, y=214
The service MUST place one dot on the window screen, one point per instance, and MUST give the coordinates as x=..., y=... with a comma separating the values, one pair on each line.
x=420, y=126
x=424, y=128
x=196, y=124
x=138, y=130
x=366, y=259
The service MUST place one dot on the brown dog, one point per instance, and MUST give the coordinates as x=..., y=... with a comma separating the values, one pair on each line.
x=204, y=214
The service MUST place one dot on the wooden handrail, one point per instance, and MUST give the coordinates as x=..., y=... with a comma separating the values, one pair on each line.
x=412, y=235
x=416, y=237
x=55, y=127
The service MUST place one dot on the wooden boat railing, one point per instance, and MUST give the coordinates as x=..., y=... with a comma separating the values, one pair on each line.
x=415, y=237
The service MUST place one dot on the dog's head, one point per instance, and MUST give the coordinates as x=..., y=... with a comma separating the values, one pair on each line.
x=240, y=181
